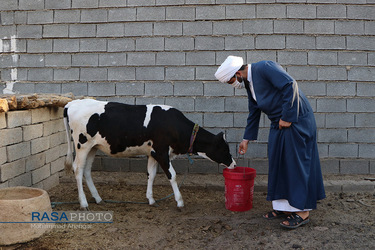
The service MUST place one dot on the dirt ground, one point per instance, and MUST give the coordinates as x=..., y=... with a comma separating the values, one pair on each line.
x=342, y=221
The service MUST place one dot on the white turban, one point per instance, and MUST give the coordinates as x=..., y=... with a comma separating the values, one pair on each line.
x=228, y=68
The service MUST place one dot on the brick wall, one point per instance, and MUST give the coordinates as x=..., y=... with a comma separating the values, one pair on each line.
x=167, y=51
x=32, y=147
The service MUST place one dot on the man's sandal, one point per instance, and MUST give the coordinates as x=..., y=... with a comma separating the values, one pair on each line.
x=274, y=214
x=295, y=221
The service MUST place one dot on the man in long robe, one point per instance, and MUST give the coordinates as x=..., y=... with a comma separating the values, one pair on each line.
x=295, y=180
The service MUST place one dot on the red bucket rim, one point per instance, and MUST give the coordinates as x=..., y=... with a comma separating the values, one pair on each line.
x=243, y=172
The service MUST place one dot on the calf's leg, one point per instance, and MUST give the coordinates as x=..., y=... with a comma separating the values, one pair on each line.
x=166, y=165
x=87, y=174
x=151, y=168
x=78, y=167
x=177, y=194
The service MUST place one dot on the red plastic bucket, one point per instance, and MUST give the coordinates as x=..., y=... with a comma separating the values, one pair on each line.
x=239, y=188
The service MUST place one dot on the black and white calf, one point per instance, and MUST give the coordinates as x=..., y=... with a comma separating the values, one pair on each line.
x=122, y=130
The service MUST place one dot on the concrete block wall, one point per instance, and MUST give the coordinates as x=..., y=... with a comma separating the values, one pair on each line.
x=32, y=147
x=166, y=52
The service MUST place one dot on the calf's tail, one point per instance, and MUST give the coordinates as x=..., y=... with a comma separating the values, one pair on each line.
x=69, y=156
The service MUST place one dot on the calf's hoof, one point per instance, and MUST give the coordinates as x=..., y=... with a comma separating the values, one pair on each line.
x=84, y=209
x=151, y=201
x=180, y=204
x=180, y=209
x=101, y=202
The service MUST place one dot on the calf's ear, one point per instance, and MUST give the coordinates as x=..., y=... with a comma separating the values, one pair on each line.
x=219, y=136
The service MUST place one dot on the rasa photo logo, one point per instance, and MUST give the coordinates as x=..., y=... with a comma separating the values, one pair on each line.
x=65, y=219
x=72, y=217
x=69, y=219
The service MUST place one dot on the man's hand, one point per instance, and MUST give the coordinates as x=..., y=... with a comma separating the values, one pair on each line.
x=284, y=124
x=243, y=147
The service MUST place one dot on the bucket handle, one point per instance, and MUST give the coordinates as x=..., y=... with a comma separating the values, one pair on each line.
x=243, y=160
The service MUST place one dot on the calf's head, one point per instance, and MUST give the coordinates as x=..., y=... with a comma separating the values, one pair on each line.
x=219, y=151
